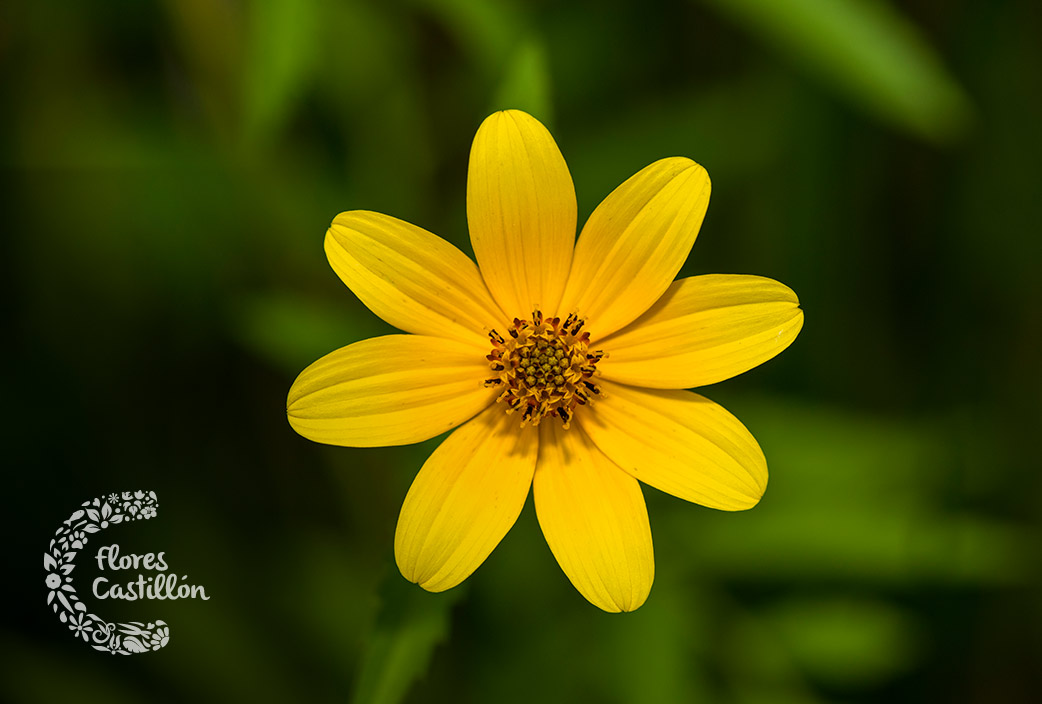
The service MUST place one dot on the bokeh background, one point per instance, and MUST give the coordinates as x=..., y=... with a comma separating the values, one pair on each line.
x=169, y=169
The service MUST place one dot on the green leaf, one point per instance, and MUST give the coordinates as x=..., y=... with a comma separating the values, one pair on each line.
x=281, y=54
x=866, y=50
x=526, y=82
x=658, y=656
x=846, y=641
x=410, y=624
x=852, y=497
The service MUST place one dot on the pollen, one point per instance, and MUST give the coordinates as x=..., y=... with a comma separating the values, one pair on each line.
x=544, y=367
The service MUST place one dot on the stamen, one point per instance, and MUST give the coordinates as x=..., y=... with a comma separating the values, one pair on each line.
x=563, y=412
x=544, y=367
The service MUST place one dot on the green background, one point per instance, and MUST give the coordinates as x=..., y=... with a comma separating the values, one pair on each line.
x=169, y=169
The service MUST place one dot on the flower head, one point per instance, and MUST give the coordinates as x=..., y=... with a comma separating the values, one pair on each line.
x=561, y=363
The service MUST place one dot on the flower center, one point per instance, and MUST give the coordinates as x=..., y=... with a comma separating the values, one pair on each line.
x=544, y=367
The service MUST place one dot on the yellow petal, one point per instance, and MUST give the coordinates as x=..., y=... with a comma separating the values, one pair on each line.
x=594, y=519
x=678, y=442
x=521, y=211
x=464, y=500
x=391, y=390
x=703, y=330
x=411, y=278
x=634, y=244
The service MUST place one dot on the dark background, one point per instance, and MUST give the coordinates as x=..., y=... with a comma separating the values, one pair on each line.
x=169, y=169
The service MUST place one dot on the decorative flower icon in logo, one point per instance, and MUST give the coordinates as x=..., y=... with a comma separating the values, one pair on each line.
x=94, y=516
x=81, y=625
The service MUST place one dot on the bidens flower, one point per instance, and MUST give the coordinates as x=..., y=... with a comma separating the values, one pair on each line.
x=563, y=363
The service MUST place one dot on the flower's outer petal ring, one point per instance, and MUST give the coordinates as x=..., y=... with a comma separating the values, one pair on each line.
x=634, y=244
x=465, y=498
x=391, y=390
x=594, y=519
x=703, y=330
x=411, y=278
x=680, y=443
x=521, y=211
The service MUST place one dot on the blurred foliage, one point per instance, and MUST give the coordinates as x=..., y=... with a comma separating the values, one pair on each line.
x=411, y=624
x=866, y=50
x=169, y=170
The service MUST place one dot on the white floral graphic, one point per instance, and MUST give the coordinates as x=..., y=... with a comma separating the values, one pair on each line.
x=160, y=636
x=81, y=626
x=113, y=646
x=93, y=516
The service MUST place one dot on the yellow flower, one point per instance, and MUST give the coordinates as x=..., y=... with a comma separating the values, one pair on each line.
x=562, y=361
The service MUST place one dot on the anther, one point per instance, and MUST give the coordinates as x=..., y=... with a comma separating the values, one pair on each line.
x=543, y=367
